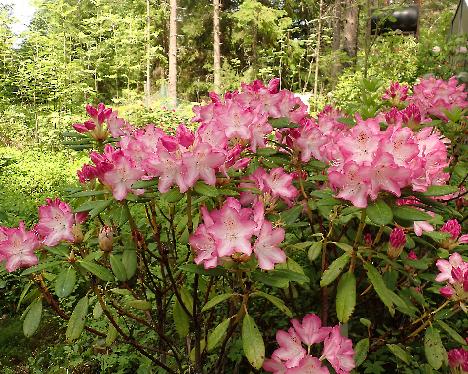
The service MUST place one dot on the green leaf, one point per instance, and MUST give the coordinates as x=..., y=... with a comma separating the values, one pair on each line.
x=291, y=276
x=205, y=190
x=97, y=310
x=92, y=204
x=346, y=297
x=193, y=268
x=215, y=301
x=77, y=320
x=181, y=320
x=145, y=184
x=361, y=349
x=291, y=215
x=111, y=334
x=380, y=213
x=275, y=301
x=87, y=194
x=99, y=271
x=379, y=286
x=172, y=196
x=99, y=209
x=410, y=214
x=266, y=151
x=32, y=318
x=65, y=282
x=453, y=334
x=400, y=353
x=440, y=190
x=44, y=265
x=434, y=349
x=215, y=336
x=252, y=342
x=118, y=268
x=139, y=304
x=187, y=299
x=281, y=123
x=130, y=261
x=314, y=251
x=334, y=270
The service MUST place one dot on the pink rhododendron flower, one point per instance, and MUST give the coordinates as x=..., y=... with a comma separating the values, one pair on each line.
x=309, y=365
x=458, y=358
x=291, y=350
x=56, y=221
x=434, y=96
x=95, y=125
x=455, y=272
x=266, y=246
x=291, y=357
x=274, y=365
x=201, y=163
x=310, y=330
x=397, y=242
x=231, y=230
x=338, y=350
x=118, y=172
x=17, y=248
x=396, y=93
x=445, y=267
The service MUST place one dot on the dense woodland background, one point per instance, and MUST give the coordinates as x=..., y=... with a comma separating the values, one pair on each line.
x=75, y=52
x=120, y=52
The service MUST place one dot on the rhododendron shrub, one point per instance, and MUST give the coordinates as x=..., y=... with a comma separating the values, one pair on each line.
x=258, y=237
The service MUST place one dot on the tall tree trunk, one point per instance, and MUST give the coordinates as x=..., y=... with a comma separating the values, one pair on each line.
x=336, y=44
x=173, y=53
x=350, y=28
x=216, y=47
x=317, y=53
x=148, y=60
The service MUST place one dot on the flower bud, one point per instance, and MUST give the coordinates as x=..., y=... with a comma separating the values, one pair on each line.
x=106, y=238
x=396, y=243
x=77, y=233
x=412, y=255
x=446, y=292
x=453, y=228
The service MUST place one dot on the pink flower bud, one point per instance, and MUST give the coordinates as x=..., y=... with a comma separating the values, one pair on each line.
x=169, y=142
x=184, y=136
x=452, y=227
x=396, y=243
x=446, y=292
x=106, y=238
x=412, y=255
x=457, y=275
x=368, y=239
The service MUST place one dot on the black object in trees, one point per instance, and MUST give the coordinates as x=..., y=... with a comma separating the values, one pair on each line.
x=404, y=19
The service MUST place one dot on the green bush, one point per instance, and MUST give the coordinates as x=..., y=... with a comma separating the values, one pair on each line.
x=28, y=176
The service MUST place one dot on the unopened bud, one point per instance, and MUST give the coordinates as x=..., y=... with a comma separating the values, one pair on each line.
x=446, y=292
x=106, y=238
x=77, y=233
x=396, y=243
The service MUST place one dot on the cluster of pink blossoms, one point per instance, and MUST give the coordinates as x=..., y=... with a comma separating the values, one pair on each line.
x=366, y=160
x=455, y=273
x=292, y=358
x=103, y=122
x=228, y=126
x=277, y=184
x=228, y=233
x=57, y=223
x=434, y=96
x=458, y=360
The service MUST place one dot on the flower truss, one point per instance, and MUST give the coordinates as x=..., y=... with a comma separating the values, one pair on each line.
x=292, y=358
